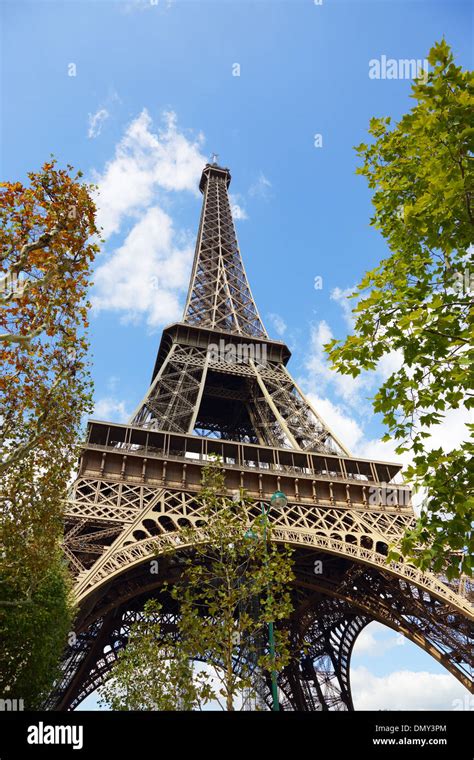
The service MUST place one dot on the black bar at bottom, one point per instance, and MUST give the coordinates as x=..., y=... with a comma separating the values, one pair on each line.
x=85, y=734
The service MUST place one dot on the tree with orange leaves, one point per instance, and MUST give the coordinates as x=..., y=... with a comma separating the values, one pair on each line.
x=48, y=242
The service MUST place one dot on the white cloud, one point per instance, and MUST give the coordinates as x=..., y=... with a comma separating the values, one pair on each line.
x=278, y=323
x=144, y=5
x=452, y=431
x=238, y=211
x=102, y=113
x=343, y=401
x=366, y=642
x=347, y=304
x=355, y=391
x=346, y=428
x=146, y=275
x=406, y=690
x=349, y=389
x=96, y=122
x=383, y=451
x=261, y=187
x=140, y=5
x=110, y=409
x=348, y=416
x=389, y=363
x=374, y=641
x=144, y=163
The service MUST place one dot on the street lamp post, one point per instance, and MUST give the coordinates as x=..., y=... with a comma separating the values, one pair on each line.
x=278, y=501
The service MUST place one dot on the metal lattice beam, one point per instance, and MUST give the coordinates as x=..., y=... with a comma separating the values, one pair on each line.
x=219, y=294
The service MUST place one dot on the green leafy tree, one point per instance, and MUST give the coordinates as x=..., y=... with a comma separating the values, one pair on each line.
x=418, y=301
x=235, y=582
x=33, y=634
x=154, y=673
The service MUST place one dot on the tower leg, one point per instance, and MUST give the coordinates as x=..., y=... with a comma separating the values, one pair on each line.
x=79, y=661
x=318, y=676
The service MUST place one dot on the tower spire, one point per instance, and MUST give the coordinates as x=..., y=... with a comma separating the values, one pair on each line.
x=219, y=295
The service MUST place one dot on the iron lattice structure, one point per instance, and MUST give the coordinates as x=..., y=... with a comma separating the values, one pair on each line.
x=137, y=485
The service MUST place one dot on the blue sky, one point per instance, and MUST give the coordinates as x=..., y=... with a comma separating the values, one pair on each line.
x=138, y=94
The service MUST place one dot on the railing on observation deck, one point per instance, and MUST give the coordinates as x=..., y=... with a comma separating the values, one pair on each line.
x=179, y=446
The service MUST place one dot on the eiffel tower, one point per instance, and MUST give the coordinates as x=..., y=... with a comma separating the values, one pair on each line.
x=221, y=386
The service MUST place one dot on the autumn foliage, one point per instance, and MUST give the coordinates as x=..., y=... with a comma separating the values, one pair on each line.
x=48, y=242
